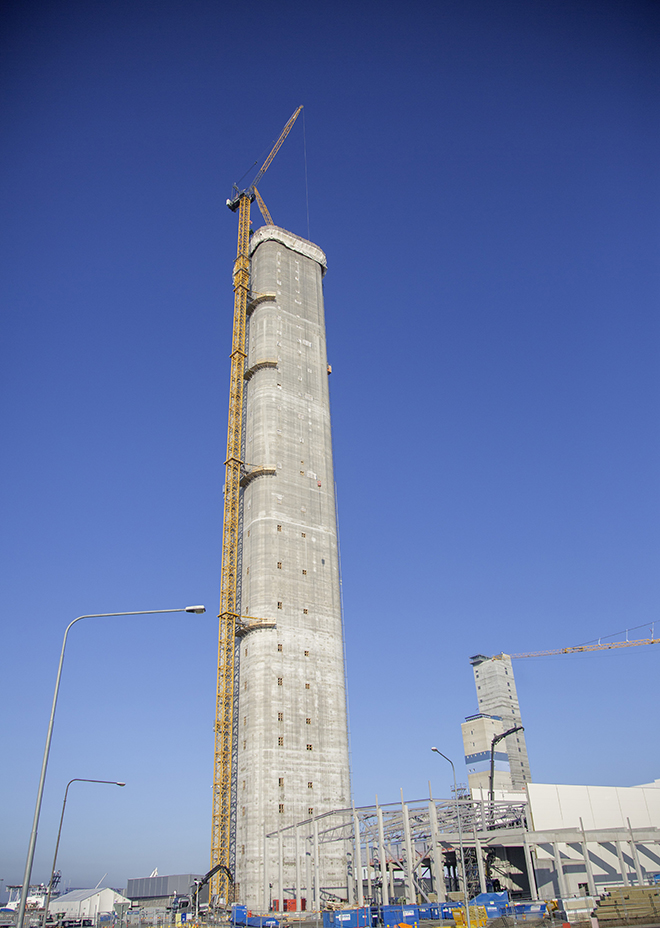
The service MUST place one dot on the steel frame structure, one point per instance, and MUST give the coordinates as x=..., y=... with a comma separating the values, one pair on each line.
x=400, y=832
x=395, y=833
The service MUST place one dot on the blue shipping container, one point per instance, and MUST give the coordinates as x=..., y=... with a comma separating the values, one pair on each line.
x=495, y=898
x=396, y=914
x=353, y=918
x=328, y=919
x=239, y=915
x=494, y=903
x=530, y=908
x=391, y=915
x=429, y=910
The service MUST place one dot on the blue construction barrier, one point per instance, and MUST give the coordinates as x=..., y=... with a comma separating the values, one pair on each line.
x=429, y=910
x=239, y=914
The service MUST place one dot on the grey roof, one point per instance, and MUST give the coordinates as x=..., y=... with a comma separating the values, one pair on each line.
x=77, y=895
x=154, y=887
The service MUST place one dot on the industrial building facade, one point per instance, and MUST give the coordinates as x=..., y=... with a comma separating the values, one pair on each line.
x=292, y=733
x=497, y=697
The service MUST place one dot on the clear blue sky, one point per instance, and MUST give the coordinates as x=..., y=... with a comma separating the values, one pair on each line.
x=484, y=179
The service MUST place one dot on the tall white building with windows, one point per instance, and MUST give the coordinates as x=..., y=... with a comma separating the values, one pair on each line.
x=497, y=696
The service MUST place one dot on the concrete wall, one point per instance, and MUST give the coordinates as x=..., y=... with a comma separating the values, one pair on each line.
x=605, y=867
x=478, y=733
x=293, y=744
x=496, y=695
x=557, y=806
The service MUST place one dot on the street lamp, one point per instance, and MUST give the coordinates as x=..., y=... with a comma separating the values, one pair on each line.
x=42, y=779
x=491, y=782
x=59, y=832
x=460, y=838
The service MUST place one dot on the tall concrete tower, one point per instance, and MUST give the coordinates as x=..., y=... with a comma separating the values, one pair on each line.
x=292, y=727
x=478, y=733
x=497, y=696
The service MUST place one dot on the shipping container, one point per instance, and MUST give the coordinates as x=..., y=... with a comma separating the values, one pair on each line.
x=353, y=918
x=398, y=914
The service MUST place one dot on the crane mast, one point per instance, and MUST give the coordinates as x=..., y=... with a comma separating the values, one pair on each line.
x=229, y=606
x=230, y=617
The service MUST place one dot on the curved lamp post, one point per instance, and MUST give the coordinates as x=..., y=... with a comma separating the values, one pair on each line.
x=49, y=736
x=59, y=832
x=460, y=839
x=491, y=779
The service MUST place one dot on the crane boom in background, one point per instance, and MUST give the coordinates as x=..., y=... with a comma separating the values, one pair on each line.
x=579, y=648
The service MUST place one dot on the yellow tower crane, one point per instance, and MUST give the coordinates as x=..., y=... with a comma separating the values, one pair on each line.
x=222, y=828
x=579, y=648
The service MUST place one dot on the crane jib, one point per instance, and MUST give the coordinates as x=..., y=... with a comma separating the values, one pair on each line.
x=233, y=202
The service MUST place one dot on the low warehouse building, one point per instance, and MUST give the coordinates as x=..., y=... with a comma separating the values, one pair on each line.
x=157, y=893
x=86, y=903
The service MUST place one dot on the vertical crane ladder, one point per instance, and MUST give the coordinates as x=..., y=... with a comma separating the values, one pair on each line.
x=229, y=607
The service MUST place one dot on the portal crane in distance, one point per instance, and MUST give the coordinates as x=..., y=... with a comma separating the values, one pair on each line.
x=579, y=648
x=231, y=625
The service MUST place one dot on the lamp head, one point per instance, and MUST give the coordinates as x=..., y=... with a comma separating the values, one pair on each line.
x=120, y=784
x=198, y=610
x=436, y=750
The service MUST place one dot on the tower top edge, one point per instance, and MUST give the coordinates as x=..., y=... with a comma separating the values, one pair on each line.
x=294, y=242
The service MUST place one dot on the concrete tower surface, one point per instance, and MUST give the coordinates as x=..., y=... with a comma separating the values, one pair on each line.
x=292, y=728
x=478, y=733
x=497, y=696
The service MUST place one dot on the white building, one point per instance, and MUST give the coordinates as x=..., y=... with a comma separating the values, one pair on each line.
x=621, y=828
x=86, y=903
x=618, y=826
